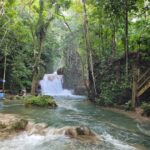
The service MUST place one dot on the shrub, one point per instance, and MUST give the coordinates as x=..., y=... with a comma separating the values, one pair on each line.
x=128, y=105
x=104, y=102
x=146, y=109
x=41, y=101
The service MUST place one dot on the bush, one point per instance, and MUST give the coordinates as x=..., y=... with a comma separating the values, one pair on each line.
x=104, y=102
x=146, y=109
x=128, y=105
x=41, y=101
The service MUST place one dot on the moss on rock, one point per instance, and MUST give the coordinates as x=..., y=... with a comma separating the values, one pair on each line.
x=11, y=124
x=40, y=101
x=20, y=125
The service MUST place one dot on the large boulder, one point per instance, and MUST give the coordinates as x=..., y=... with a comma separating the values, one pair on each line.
x=11, y=124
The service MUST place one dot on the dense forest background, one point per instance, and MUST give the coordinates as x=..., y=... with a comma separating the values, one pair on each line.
x=97, y=44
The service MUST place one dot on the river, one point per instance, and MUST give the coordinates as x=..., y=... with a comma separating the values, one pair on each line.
x=118, y=131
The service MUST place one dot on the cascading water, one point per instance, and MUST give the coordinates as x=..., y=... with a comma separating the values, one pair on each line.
x=52, y=84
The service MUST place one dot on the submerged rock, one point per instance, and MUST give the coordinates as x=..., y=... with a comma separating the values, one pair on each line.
x=11, y=124
x=81, y=133
x=38, y=128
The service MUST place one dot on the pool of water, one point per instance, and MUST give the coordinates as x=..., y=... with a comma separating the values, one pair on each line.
x=118, y=131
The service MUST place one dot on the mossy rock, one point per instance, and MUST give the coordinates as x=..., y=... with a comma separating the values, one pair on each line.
x=11, y=124
x=40, y=101
x=20, y=125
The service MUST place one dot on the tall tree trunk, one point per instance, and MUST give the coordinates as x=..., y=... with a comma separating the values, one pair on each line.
x=134, y=85
x=114, y=40
x=126, y=39
x=102, y=40
x=36, y=70
x=4, y=74
x=34, y=84
x=92, y=88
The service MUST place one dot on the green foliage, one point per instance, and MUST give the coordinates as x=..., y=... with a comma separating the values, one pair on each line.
x=111, y=83
x=40, y=101
x=128, y=105
x=113, y=94
x=104, y=101
x=18, y=42
x=146, y=109
x=24, y=23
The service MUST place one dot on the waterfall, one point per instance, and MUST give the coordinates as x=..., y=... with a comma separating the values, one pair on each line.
x=52, y=84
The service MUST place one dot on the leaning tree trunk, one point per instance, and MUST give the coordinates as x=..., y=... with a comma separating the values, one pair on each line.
x=92, y=88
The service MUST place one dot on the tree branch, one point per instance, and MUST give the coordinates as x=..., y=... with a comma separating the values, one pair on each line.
x=66, y=23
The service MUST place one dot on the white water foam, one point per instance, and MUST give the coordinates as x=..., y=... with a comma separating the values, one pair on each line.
x=117, y=143
x=67, y=105
x=29, y=142
x=54, y=139
x=143, y=130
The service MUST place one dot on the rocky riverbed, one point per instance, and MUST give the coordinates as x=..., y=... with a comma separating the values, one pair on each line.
x=11, y=125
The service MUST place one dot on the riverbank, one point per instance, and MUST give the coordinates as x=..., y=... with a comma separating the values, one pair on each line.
x=136, y=114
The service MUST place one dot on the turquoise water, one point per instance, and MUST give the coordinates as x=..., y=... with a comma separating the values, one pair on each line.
x=118, y=131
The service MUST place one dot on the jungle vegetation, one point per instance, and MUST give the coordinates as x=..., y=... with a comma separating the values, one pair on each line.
x=104, y=40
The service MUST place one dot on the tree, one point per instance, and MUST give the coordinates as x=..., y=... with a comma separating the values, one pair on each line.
x=40, y=32
x=92, y=88
x=126, y=36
